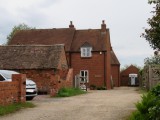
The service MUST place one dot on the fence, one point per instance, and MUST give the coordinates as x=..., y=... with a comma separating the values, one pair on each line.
x=151, y=76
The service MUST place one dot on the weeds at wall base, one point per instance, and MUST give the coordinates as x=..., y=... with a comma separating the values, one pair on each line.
x=67, y=92
x=14, y=107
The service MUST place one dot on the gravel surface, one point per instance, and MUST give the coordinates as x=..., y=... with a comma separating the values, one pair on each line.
x=96, y=105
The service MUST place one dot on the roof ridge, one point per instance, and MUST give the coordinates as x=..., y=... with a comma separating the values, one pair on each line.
x=32, y=45
x=39, y=29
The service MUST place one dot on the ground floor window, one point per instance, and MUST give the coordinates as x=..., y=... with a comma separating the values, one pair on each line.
x=84, y=75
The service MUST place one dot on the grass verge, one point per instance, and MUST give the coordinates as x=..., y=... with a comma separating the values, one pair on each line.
x=141, y=90
x=14, y=107
x=67, y=92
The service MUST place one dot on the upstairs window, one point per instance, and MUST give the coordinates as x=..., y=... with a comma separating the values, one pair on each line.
x=86, y=51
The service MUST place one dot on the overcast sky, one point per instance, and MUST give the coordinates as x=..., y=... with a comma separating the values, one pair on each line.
x=124, y=18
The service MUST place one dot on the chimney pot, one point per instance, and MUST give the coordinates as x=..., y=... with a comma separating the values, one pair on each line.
x=71, y=25
x=103, y=21
x=103, y=26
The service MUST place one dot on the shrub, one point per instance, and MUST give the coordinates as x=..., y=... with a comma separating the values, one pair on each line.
x=146, y=103
x=149, y=107
x=136, y=116
x=156, y=90
x=67, y=92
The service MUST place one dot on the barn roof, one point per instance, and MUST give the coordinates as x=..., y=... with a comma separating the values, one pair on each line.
x=114, y=59
x=44, y=37
x=30, y=57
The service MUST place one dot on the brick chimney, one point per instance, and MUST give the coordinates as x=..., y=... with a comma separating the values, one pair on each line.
x=71, y=25
x=111, y=49
x=103, y=26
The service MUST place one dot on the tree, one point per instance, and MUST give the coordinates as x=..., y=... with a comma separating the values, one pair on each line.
x=16, y=29
x=152, y=34
x=152, y=60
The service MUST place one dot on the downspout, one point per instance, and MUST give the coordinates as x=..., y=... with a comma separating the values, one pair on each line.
x=70, y=60
x=105, y=69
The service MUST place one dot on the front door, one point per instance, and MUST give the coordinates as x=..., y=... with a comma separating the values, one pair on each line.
x=84, y=76
x=132, y=80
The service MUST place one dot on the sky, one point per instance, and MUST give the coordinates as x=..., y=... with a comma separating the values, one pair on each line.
x=126, y=20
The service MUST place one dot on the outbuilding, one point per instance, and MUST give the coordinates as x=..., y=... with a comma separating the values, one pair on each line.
x=129, y=76
x=44, y=64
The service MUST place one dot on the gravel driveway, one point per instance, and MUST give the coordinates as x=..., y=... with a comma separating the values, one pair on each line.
x=96, y=105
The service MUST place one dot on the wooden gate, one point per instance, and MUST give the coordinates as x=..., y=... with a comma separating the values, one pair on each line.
x=79, y=83
x=151, y=75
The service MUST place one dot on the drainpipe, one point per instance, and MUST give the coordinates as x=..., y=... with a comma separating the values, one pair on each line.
x=105, y=69
x=70, y=60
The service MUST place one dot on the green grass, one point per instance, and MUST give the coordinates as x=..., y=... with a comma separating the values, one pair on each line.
x=67, y=92
x=141, y=90
x=14, y=107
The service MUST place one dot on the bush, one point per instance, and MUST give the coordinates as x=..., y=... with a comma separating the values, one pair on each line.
x=149, y=107
x=67, y=92
x=146, y=103
x=136, y=116
x=156, y=90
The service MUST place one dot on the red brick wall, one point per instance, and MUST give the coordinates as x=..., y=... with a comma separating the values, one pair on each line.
x=43, y=78
x=95, y=66
x=14, y=91
x=40, y=77
x=56, y=82
x=63, y=64
x=124, y=75
x=115, y=75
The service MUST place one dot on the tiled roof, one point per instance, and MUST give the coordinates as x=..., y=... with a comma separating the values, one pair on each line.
x=114, y=59
x=30, y=57
x=131, y=67
x=44, y=37
x=72, y=39
x=92, y=36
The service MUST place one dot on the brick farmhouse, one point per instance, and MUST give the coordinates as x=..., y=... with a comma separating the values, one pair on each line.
x=88, y=51
x=44, y=64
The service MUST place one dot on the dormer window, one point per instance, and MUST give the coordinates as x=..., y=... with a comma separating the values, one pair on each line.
x=86, y=51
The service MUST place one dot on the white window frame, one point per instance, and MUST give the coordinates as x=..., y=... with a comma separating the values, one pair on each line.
x=84, y=75
x=86, y=51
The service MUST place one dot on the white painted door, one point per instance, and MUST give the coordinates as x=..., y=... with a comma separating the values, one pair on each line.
x=133, y=80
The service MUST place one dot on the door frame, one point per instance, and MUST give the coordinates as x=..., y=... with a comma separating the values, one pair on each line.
x=85, y=76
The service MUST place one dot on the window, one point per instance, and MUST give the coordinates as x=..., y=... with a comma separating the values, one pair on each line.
x=86, y=51
x=84, y=75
